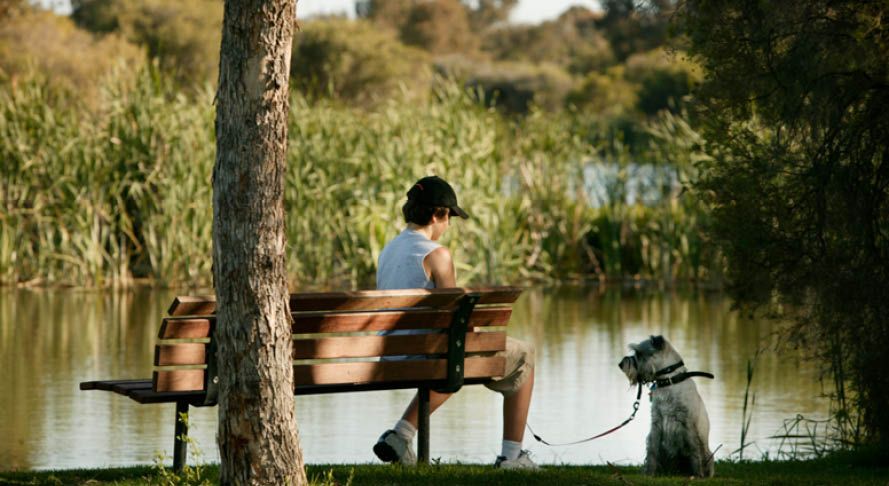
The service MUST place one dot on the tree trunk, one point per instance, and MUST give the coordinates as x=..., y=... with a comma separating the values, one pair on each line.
x=258, y=442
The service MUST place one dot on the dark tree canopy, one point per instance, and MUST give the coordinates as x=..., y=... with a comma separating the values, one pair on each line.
x=183, y=36
x=635, y=25
x=796, y=117
x=439, y=26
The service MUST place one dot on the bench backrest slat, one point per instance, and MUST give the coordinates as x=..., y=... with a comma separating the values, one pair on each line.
x=185, y=354
x=392, y=371
x=325, y=322
x=359, y=300
x=187, y=328
x=322, y=322
x=180, y=354
x=358, y=373
x=370, y=346
x=178, y=380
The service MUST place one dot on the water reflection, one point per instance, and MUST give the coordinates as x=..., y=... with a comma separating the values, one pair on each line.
x=52, y=340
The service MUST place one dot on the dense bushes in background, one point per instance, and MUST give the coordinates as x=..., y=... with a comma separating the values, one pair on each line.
x=103, y=197
x=35, y=42
x=395, y=43
x=355, y=62
x=183, y=36
x=567, y=161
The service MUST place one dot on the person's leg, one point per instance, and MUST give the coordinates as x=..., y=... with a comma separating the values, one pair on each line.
x=396, y=444
x=412, y=412
x=517, y=387
x=515, y=410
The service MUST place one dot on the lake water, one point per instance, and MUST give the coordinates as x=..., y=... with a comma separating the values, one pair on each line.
x=52, y=340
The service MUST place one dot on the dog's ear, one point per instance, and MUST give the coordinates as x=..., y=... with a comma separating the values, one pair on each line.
x=658, y=342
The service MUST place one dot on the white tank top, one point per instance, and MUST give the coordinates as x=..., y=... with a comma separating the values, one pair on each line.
x=401, y=262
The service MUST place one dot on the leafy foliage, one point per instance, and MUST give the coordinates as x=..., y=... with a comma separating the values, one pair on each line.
x=570, y=41
x=183, y=36
x=664, y=79
x=438, y=26
x=799, y=184
x=633, y=26
x=355, y=62
x=37, y=42
x=122, y=193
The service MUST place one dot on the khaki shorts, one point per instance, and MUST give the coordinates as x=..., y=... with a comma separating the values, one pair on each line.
x=519, y=367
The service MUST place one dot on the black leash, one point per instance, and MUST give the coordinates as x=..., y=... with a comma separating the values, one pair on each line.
x=657, y=383
x=625, y=422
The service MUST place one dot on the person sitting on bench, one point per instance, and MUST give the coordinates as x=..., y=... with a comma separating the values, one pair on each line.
x=415, y=259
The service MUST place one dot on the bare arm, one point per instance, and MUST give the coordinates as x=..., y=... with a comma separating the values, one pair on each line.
x=440, y=266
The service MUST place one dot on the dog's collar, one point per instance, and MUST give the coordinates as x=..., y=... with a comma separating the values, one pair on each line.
x=679, y=378
x=665, y=382
x=670, y=369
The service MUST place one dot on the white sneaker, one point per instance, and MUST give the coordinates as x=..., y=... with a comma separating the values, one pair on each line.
x=391, y=447
x=522, y=462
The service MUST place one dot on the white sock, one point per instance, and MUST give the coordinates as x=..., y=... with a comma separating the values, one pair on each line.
x=511, y=450
x=405, y=430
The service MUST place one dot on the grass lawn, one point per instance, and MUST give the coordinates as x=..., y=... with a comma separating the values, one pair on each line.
x=841, y=468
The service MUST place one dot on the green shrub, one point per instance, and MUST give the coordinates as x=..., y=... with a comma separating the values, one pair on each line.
x=664, y=79
x=39, y=42
x=608, y=95
x=356, y=62
x=124, y=192
x=183, y=35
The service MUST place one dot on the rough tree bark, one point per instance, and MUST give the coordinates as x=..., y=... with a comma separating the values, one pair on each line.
x=258, y=441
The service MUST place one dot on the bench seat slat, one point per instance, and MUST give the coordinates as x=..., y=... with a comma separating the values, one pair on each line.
x=109, y=385
x=196, y=398
x=151, y=396
x=368, y=346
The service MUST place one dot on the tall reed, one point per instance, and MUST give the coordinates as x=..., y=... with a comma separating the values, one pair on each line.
x=109, y=196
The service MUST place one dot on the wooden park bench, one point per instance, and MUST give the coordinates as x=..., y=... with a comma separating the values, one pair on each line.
x=469, y=325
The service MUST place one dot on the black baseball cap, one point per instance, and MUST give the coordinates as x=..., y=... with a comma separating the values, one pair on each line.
x=434, y=191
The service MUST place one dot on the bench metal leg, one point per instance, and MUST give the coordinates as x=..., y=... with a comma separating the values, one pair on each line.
x=180, y=445
x=423, y=427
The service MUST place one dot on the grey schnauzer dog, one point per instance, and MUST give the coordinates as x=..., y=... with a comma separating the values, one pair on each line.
x=680, y=427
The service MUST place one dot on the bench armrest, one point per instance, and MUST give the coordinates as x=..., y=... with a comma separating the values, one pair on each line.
x=457, y=343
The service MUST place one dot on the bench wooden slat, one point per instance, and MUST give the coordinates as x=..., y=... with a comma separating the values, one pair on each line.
x=180, y=354
x=497, y=295
x=189, y=328
x=360, y=300
x=318, y=301
x=343, y=347
x=108, y=385
x=193, y=305
x=337, y=373
x=392, y=371
x=151, y=396
x=178, y=380
x=373, y=299
x=321, y=322
x=368, y=346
